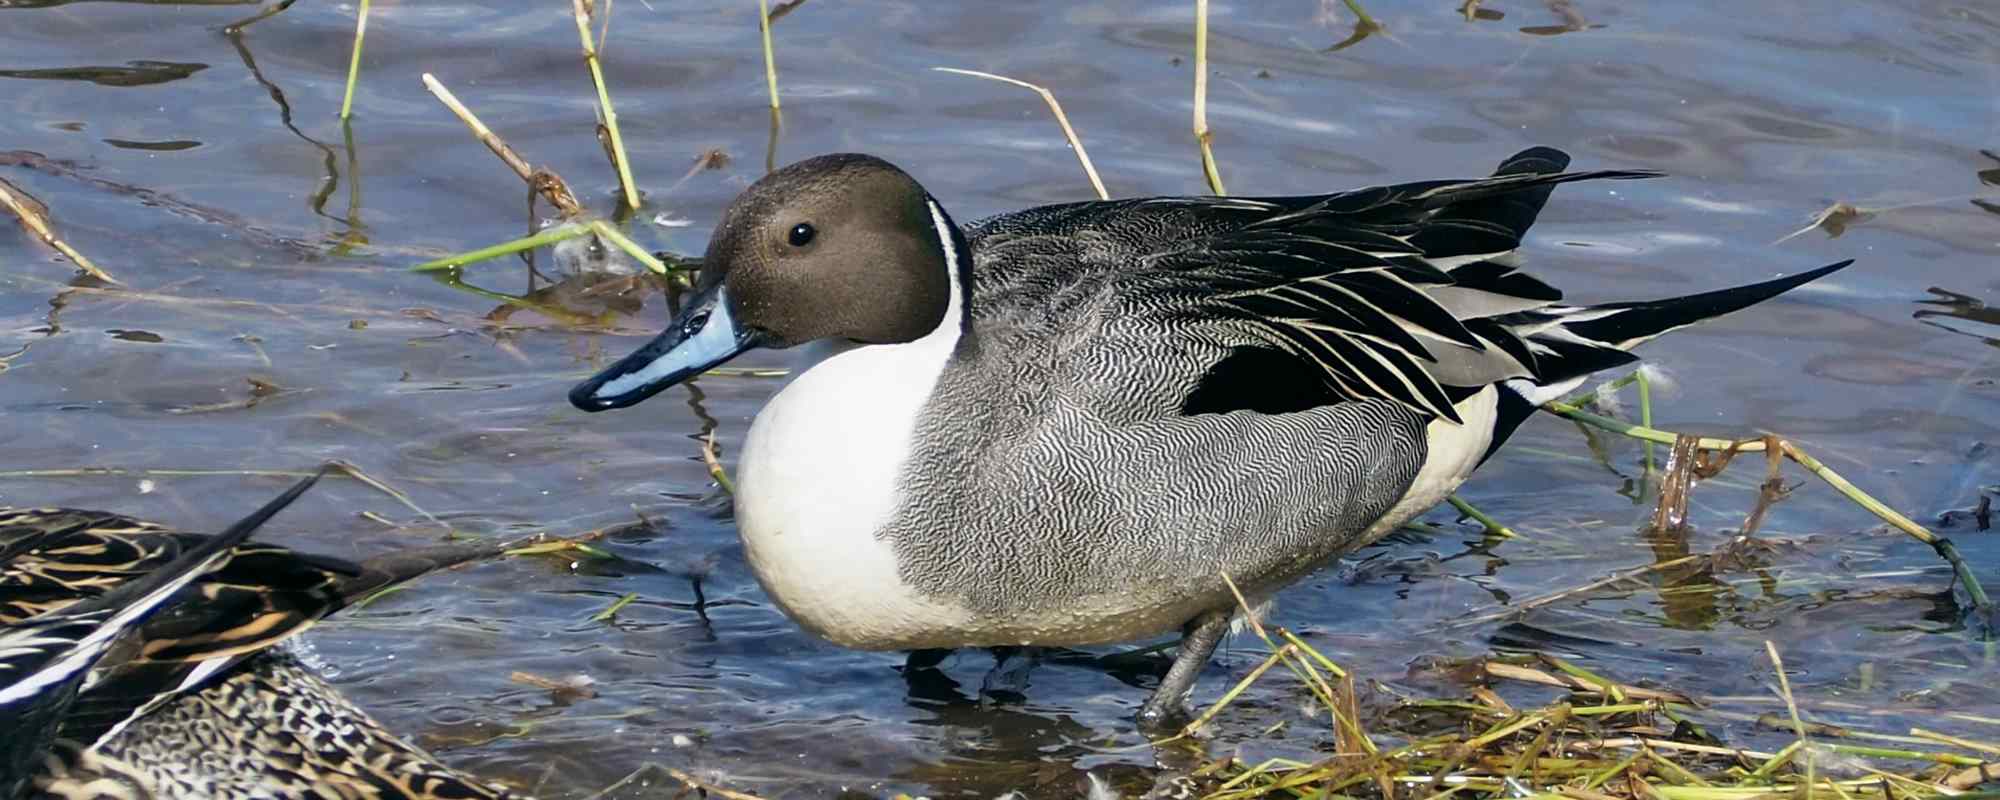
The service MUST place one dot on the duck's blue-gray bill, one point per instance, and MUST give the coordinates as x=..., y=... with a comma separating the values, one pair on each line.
x=704, y=336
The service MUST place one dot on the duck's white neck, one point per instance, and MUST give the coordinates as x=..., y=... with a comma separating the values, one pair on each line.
x=821, y=471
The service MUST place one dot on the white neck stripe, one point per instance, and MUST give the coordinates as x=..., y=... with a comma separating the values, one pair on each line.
x=954, y=310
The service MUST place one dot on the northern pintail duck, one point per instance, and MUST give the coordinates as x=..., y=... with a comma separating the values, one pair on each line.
x=1066, y=425
x=140, y=662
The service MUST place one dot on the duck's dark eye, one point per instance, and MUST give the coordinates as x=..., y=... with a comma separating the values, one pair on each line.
x=801, y=235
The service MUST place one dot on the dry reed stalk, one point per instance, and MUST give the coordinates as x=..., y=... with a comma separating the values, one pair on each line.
x=373, y=483
x=1062, y=119
x=770, y=60
x=1202, y=136
x=1513, y=672
x=548, y=183
x=35, y=217
x=1552, y=597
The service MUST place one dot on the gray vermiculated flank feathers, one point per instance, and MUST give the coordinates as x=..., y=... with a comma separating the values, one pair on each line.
x=1094, y=321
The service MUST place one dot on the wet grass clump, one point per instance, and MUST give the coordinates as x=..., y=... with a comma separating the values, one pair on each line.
x=1595, y=738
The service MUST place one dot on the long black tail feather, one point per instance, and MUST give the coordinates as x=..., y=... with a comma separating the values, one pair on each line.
x=1643, y=320
x=1587, y=339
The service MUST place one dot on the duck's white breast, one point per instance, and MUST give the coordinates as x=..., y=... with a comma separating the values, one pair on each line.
x=817, y=481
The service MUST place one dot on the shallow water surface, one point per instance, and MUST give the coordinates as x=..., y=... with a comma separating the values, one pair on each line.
x=268, y=323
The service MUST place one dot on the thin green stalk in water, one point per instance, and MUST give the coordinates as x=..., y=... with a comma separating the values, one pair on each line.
x=715, y=468
x=623, y=164
x=548, y=236
x=357, y=234
x=770, y=61
x=1202, y=136
x=1362, y=14
x=602, y=229
x=1645, y=410
x=1493, y=526
x=616, y=606
x=354, y=62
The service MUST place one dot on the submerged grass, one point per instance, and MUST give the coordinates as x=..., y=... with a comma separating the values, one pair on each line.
x=1728, y=448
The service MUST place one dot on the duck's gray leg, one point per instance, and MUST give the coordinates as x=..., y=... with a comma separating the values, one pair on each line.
x=927, y=658
x=1009, y=677
x=1199, y=638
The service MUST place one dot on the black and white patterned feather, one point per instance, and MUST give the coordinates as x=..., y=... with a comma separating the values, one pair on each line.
x=1409, y=293
x=202, y=699
x=46, y=659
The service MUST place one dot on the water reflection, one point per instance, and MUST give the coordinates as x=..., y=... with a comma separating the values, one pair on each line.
x=135, y=73
x=330, y=173
x=26, y=4
x=1688, y=592
x=1572, y=20
x=591, y=298
x=1950, y=305
x=168, y=146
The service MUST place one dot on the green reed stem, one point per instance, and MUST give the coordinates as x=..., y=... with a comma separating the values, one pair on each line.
x=1645, y=411
x=1493, y=526
x=546, y=237
x=1202, y=136
x=354, y=61
x=770, y=60
x=623, y=165
x=616, y=605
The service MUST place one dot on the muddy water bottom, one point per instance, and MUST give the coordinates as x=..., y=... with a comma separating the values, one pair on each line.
x=267, y=323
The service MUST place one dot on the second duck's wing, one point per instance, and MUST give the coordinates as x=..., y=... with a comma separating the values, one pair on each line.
x=47, y=660
x=261, y=595
x=204, y=663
